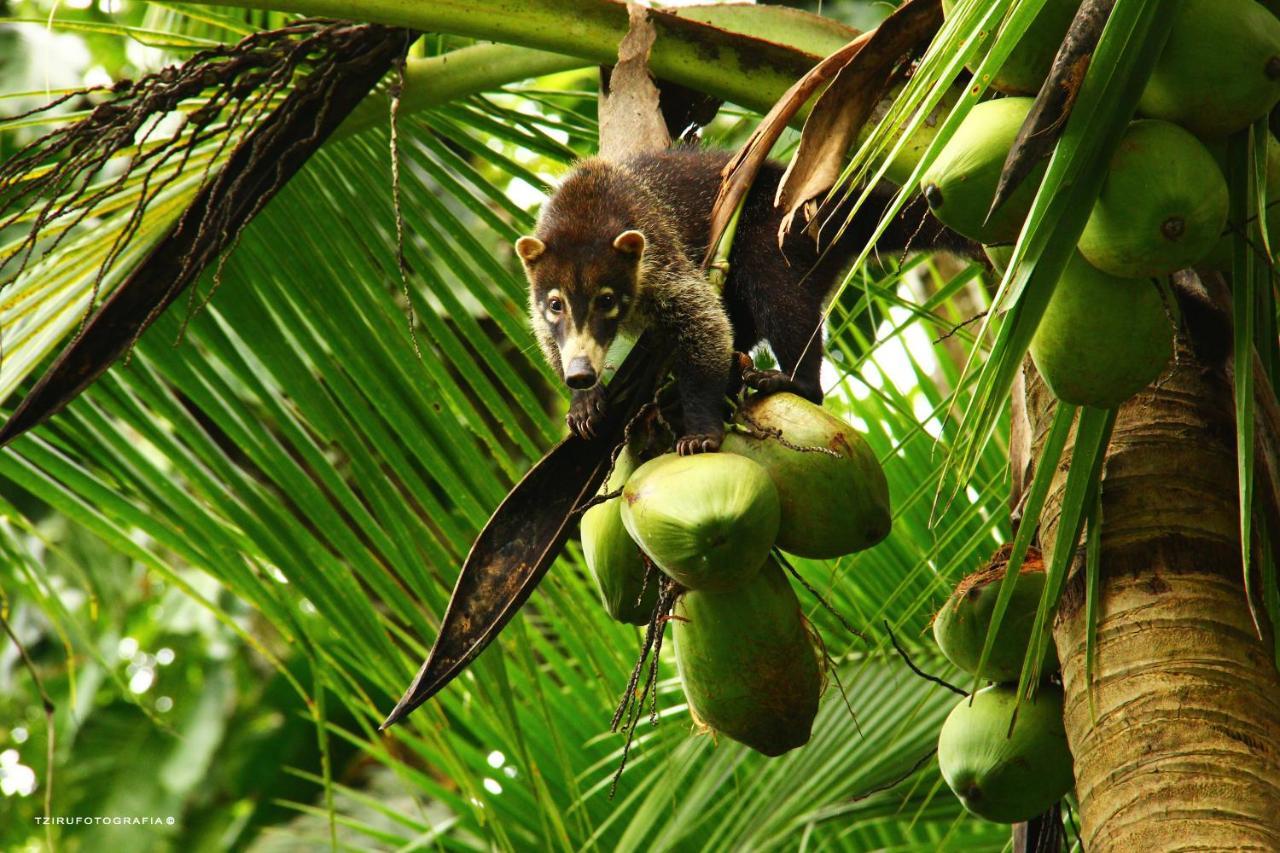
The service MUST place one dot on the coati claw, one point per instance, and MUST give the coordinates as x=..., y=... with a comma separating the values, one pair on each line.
x=775, y=381
x=586, y=412
x=699, y=443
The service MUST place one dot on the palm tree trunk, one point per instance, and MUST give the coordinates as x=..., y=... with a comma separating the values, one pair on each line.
x=1181, y=747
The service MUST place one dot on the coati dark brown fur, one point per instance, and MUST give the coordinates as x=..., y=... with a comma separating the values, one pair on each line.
x=618, y=249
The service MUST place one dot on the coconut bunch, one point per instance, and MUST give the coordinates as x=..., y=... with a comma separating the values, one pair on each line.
x=1107, y=333
x=790, y=476
x=1003, y=769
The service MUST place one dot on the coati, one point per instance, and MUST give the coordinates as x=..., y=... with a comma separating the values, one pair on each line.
x=618, y=248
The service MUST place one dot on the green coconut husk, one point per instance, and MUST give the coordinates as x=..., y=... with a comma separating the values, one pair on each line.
x=960, y=184
x=1162, y=207
x=960, y=627
x=1102, y=339
x=832, y=490
x=1004, y=777
x=613, y=558
x=749, y=667
x=1219, y=70
x=708, y=521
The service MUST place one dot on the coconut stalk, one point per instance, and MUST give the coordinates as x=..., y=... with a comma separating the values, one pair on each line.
x=751, y=71
x=1176, y=735
x=436, y=80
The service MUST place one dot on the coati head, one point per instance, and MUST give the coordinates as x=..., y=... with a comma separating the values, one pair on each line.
x=580, y=295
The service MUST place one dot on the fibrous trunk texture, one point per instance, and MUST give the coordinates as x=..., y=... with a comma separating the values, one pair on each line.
x=1181, y=749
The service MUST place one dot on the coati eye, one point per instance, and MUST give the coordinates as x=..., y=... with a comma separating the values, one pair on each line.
x=606, y=301
x=556, y=304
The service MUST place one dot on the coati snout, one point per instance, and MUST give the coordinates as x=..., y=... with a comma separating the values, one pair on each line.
x=580, y=374
x=582, y=297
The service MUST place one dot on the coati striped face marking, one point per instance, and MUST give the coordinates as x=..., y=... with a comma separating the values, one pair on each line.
x=581, y=295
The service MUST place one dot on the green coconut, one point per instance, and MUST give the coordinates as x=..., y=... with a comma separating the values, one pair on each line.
x=1220, y=69
x=961, y=626
x=612, y=556
x=961, y=183
x=1162, y=207
x=1102, y=339
x=749, y=668
x=1027, y=66
x=833, y=493
x=1000, y=776
x=707, y=520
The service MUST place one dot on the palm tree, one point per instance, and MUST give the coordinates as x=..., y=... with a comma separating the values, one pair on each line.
x=309, y=469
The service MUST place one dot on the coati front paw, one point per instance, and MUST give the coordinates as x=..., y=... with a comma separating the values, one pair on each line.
x=702, y=442
x=775, y=381
x=586, y=412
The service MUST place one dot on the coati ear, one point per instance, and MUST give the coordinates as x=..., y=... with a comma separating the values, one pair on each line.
x=629, y=243
x=530, y=249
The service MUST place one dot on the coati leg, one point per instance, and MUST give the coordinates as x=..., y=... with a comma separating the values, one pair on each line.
x=693, y=319
x=702, y=402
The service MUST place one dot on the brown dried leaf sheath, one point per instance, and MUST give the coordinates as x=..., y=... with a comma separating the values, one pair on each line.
x=740, y=172
x=994, y=570
x=847, y=104
x=630, y=119
x=526, y=533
